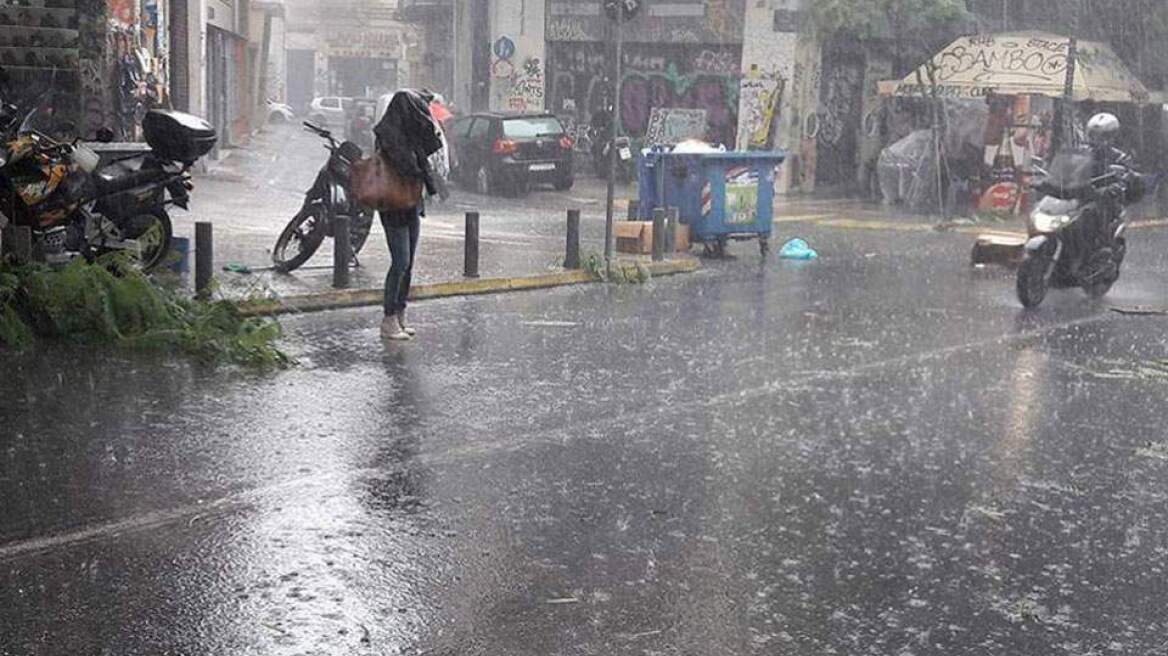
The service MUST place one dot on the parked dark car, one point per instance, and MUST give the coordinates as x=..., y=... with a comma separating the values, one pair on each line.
x=507, y=153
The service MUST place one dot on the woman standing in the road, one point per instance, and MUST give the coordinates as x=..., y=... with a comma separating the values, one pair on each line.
x=406, y=137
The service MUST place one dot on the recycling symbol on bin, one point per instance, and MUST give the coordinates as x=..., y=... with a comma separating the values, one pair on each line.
x=631, y=8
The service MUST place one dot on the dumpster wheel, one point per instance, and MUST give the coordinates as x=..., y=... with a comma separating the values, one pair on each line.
x=764, y=245
x=716, y=249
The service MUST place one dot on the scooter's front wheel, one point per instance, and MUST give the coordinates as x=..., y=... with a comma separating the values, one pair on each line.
x=300, y=239
x=1033, y=279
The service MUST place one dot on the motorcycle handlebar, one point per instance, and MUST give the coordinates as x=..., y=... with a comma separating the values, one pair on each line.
x=312, y=127
x=320, y=132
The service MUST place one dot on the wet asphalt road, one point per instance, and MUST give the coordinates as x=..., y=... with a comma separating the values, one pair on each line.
x=877, y=453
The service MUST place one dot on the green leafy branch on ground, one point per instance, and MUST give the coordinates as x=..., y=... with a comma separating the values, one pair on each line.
x=620, y=273
x=112, y=303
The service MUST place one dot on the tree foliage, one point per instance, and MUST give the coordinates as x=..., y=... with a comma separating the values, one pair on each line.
x=913, y=29
x=912, y=20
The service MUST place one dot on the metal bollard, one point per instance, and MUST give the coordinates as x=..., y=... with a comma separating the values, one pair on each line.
x=471, y=268
x=572, y=258
x=672, y=218
x=634, y=210
x=342, y=251
x=204, y=259
x=658, y=234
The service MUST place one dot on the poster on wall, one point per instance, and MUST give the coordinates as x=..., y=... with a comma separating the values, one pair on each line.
x=759, y=97
x=671, y=126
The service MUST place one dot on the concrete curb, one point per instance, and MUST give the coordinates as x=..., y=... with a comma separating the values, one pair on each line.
x=351, y=298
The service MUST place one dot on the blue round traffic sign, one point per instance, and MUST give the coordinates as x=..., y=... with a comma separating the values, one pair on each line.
x=504, y=48
x=629, y=8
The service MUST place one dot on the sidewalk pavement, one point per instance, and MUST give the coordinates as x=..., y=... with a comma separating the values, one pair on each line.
x=250, y=195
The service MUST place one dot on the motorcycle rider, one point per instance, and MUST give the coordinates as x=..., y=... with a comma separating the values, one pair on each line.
x=1102, y=133
x=1128, y=187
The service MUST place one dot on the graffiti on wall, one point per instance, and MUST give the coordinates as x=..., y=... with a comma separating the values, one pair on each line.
x=655, y=76
x=568, y=29
x=642, y=91
x=525, y=92
x=718, y=62
x=837, y=102
x=96, y=109
x=676, y=21
x=519, y=88
x=759, y=101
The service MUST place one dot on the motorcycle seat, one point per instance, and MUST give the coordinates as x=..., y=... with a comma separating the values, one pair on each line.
x=124, y=175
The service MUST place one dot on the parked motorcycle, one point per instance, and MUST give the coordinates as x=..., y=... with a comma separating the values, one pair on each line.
x=328, y=198
x=602, y=143
x=601, y=152
x=1077, y=231
x=78, y=208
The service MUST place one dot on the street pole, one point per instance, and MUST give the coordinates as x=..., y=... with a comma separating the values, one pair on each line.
x=609, y=242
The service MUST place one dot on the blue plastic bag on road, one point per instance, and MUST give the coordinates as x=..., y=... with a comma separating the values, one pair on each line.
x=797, y=249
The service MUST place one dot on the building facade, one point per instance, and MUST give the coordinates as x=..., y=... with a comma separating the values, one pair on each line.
x=760, y=70
x=99, y=63
x=750, y=65
x=349, y=48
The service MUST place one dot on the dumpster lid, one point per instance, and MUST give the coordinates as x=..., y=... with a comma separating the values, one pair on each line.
x=777, y=156
x=748, y=154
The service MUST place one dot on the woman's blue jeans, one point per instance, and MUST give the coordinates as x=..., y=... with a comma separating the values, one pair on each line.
x=401, y=232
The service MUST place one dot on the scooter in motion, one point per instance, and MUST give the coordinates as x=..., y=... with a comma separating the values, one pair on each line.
x=1078, y=230
x=328, y=198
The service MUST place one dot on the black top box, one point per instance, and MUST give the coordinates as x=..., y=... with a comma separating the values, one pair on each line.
x=177, y=136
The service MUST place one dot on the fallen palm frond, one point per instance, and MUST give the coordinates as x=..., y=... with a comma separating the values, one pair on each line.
x=111, y=302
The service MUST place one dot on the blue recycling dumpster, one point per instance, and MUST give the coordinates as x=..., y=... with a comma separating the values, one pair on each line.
x=721, y=196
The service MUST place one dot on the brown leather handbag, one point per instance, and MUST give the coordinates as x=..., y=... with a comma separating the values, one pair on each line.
x=378, y=186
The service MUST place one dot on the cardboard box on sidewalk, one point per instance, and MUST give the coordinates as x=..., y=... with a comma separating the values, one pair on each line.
x=636, y=237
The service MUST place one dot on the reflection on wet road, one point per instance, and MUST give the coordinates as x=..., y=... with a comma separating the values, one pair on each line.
x=877, y=453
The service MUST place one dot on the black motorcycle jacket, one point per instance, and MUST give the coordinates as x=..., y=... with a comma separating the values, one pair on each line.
x=1131, y=186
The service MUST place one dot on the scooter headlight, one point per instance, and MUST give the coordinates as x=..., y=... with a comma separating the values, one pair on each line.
x=1053, y=214
x=1044, y=222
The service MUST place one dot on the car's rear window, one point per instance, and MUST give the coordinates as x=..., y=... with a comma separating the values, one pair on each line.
x=530, y=128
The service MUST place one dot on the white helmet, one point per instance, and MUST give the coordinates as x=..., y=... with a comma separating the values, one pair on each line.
x=1102, y=129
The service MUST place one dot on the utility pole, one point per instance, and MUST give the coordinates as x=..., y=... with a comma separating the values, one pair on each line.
x=609, y=240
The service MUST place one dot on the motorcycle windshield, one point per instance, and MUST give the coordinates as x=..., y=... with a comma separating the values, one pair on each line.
x=1070, y=173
